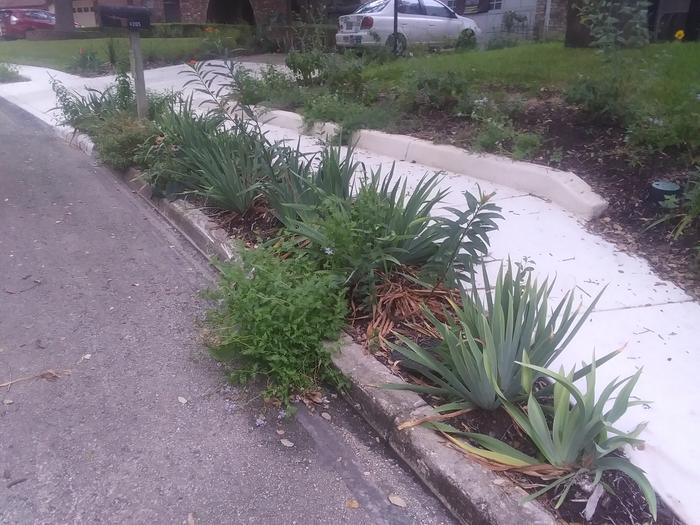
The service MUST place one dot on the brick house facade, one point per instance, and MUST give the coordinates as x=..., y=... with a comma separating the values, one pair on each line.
x=258, y=12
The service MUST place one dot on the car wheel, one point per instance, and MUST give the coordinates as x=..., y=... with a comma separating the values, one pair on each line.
x=401, y=43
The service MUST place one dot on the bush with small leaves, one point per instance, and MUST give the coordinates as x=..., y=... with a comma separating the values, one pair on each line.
x=274, y=317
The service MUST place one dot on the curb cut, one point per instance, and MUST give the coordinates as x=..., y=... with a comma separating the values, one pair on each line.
x=564, y=188
x=474, y=494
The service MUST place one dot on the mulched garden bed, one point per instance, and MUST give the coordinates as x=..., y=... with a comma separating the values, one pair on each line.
x=624, y=505
x=258, y=225
x=599, y=155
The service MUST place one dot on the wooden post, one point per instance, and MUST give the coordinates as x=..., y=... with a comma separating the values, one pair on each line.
x=136, y=59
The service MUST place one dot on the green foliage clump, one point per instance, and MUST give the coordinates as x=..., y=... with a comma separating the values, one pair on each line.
x=351, y=115
x=483, y=342
x=383, y=230
x=9, y=73
x=306, y=66
x=526, y=145
x=83, y=111
x=109, y=118
x=118, y=137
x=87, y=61
x=426, y=91
x=602, y=97
x=271, y=86
x=574, y=441
x=343, y=76
x=274, y=317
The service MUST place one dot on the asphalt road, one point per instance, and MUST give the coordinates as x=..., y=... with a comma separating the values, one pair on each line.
x=97, y=288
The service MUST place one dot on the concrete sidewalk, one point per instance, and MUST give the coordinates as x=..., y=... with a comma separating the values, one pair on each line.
x=141, y=426
x=655, y=319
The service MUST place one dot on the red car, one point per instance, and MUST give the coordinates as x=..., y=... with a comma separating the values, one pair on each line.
x=14, y=23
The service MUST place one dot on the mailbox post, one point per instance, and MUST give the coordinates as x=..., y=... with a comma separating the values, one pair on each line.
x=136, y=61
x=134, y=19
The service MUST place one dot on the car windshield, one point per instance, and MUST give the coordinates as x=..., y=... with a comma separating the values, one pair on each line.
x=372, y=7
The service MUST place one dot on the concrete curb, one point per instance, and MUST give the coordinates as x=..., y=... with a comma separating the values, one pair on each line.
x=564, y=188
x=203, y=233
x=474, y=494
x=200, y=230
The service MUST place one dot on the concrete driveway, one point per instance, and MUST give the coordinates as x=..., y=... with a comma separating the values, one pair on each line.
x=140, y=426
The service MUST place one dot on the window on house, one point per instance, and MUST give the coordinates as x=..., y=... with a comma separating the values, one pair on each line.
x=471, y=6
x=495, y=4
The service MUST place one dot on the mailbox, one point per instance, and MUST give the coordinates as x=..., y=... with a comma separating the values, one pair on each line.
x=128, y=17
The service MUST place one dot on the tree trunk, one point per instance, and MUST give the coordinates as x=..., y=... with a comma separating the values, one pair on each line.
x=64, y=15
x=577, y=34
x=693, y=26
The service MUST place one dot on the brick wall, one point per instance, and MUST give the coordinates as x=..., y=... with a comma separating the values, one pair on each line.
x=266, y=11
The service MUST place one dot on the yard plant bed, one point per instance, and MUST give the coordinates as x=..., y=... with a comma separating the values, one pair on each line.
x=356, y=246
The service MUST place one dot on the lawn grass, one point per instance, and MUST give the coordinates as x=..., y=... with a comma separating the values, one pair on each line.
x=549, y=65
x=59, y=54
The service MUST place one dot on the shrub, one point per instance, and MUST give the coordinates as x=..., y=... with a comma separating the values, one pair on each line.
x=493, y=136
x=343, y=76
x=118, y=137
x=227, y=167
x=298, y=189
x=84, y=111
x=271, y=86
x=477, y=361
x=9, y=73
x=428, y=91
x=81, y=111
x=306, y=66
x=86, y=61
x=349, y=114
x=117, y=56
x=161, y=156
x=652, y=127
x=526, y=145
x=383, y=229
x=601, y=97
x=275, y=316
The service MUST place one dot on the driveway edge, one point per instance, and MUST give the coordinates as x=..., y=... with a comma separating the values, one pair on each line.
x=564, y=188
x=474, y=494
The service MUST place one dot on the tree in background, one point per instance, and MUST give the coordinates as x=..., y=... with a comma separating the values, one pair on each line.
x=607, y=24
x=577, y=34
x=64, y=15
